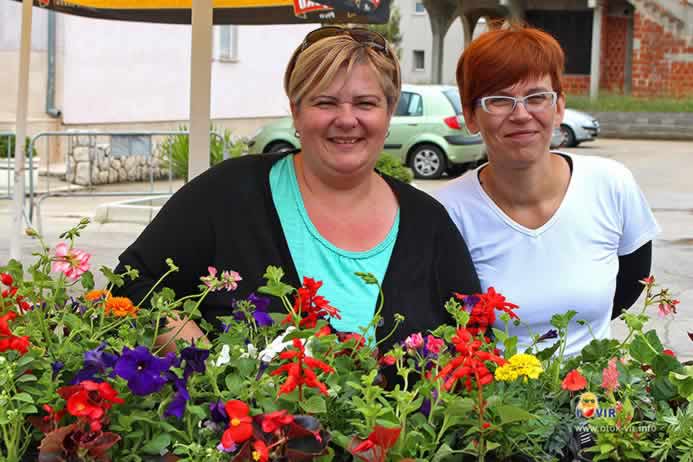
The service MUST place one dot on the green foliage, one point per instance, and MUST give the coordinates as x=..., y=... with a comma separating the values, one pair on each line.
x=7, y=146
x=390, y=165
x=619, y=103
x=175, y=149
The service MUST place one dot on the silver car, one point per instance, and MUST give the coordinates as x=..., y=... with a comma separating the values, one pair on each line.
x=576, y=127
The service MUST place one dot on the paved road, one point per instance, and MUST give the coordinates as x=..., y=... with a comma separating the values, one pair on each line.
x=663, y=170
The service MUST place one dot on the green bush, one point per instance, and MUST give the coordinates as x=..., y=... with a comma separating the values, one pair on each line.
x=176, y=147
x=392, y=166
x=7, y=141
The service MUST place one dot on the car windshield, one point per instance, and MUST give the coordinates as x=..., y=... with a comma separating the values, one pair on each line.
x=454, y=97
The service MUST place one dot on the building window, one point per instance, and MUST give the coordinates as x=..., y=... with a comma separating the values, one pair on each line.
x=419, y=60
x=226, y=43
x=573, y=30
x=419, y=8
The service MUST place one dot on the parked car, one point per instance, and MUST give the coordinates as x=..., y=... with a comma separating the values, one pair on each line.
x=427, y=133
x=576, y=127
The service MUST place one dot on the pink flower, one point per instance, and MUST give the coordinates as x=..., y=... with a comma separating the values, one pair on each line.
x=228, y=280
x=610, y=376
x=71, y=262
x=667, y=308
x=414, y=341
x=433, y=344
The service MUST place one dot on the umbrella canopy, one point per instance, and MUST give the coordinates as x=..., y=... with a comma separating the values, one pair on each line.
x=229, y=11
x=201, y=14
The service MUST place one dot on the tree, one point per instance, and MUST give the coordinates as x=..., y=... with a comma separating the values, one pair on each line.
x=390, y=30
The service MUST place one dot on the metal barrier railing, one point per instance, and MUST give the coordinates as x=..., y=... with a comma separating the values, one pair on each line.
x=6, y=156
x=35, y=203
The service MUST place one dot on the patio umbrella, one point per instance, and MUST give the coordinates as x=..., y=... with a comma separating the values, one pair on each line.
x=201, y=14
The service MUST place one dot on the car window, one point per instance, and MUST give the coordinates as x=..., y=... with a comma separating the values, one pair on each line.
x=454, y=97
x=410, y=104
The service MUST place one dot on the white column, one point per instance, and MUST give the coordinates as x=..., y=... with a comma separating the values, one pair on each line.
x=596, y=47
x=200, y=86
x=20, y=131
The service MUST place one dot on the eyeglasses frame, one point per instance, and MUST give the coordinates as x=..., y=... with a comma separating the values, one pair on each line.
x=522, y=100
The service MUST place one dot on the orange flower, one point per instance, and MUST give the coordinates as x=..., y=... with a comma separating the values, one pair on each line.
x=95, y=295
x=120, y=307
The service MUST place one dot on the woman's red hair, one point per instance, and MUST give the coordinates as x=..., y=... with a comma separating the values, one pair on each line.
x=505, y=56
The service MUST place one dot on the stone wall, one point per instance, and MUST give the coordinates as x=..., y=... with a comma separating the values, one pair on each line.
x=646, y=125
x=89, y=163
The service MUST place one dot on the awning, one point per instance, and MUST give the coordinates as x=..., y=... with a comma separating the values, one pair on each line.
x=229, y=11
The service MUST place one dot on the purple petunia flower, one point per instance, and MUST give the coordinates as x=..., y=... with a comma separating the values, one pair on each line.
x=143, y=370
x=96, y=361
x=425, y=408
x=218, y=412
x=261, y=303
x=176, y=407
x=194, y=360
x=551, y=334
x=57, y=366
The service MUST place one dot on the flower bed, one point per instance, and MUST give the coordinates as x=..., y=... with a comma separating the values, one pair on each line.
x=83, y=379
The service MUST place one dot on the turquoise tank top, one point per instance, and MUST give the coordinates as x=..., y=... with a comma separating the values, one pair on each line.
x=319, y=259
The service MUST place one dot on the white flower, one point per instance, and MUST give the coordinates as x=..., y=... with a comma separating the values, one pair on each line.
x=278, y=345
x=224, y=356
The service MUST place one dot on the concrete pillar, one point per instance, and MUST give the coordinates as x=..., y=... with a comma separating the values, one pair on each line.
x=441, y=14
x=595, y=65
x=628, y=65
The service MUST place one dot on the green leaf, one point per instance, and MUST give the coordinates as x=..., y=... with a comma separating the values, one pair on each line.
x=663, y=389
x=24, y=397
x=547, y=353
x=683, y=382
x=157, y=445
x=459, y=407
x=509, y=414
x=663, y=364
x=561, y=321
x=72, y=321
x=275, y=286
x=26, y=378
x=87, y=280
x=112, y=278
x=314, y=405
x=443, y=451
x=645, y=348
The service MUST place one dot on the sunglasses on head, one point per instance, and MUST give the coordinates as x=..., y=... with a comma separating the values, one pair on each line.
x=363, y=36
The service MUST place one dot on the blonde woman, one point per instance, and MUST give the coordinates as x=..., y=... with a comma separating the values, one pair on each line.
x=322, y=212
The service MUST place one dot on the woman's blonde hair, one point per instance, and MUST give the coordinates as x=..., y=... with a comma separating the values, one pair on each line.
x=315, y=66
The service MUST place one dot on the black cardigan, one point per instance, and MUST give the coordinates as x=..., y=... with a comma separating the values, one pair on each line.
x=226, y=218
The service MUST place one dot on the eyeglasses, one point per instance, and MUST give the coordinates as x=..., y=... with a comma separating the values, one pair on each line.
x=504, y=105
x=363, y=36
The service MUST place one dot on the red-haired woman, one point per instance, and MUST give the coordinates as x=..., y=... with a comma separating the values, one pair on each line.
x=552, y=231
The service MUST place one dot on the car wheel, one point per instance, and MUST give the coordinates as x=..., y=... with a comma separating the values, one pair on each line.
x=278, y=146
x=427, y=161
x=567, y=137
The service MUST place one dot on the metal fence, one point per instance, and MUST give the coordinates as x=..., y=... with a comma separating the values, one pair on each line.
x=36, y=200
x=6, y=164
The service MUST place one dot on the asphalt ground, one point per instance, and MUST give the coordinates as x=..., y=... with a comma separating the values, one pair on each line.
x=662, y=168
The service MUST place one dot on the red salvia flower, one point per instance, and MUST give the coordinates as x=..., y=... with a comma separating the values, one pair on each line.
x=376, y=446
x=574, y=381
x=4, y=322
x=482, y=308
x=273, y=421
x=300, y=371
x=240, y=424
x=310, y=306
x=470, y=362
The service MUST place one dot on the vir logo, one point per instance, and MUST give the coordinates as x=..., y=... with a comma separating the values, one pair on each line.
x=588, y=407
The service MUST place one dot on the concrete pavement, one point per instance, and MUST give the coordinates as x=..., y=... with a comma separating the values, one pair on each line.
x=663, y=170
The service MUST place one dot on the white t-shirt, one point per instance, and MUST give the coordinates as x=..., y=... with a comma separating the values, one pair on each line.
x=570, y=262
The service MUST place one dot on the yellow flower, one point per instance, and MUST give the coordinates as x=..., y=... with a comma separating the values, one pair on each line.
x=120, y=307
x=519, y=365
